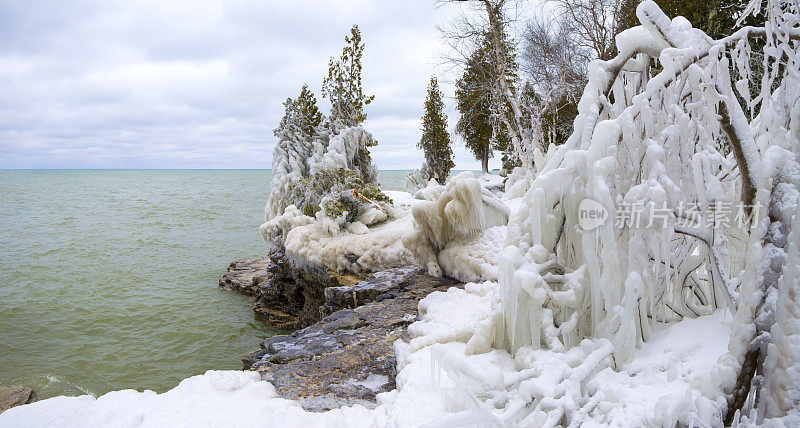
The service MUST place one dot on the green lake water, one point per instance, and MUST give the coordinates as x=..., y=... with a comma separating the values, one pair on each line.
x=108, y=278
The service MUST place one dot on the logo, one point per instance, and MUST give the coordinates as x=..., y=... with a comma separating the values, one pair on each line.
x=591, y=214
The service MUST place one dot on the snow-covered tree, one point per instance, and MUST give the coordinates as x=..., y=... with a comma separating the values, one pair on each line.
x=295, y=133
x=302, y=113
x=323, y=169
x=717, y=188
x=435, y=140
x=343, y=86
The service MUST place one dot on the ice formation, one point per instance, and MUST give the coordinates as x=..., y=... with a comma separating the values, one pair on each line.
x=324, y=198
x=357, y=249
x=330, y=178
x=346, y=150
x=418, y=178
x=452, y=215
x=652, y=143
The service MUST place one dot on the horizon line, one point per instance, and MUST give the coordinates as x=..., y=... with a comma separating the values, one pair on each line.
x=183, y=169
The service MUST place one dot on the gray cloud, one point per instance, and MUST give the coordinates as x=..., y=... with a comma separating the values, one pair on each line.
x=200, y=84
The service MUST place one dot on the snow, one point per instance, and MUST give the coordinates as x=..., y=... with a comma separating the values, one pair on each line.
x=400, y=199
x=373, y=382
x=356, y=249
x=216, y=398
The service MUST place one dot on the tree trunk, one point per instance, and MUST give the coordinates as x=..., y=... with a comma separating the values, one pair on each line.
x=747, y=393
x=485, y=160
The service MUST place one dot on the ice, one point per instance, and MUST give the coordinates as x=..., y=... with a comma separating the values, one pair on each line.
x=459, y=211
x=399, y=198
x=356, y=249
x=474, y=259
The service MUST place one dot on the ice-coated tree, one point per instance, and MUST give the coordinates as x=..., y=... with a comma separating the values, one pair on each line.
x=717, y=18
x=481, y=105
x=660, y=126
x=343, y=86
x=295, y=133
x=308, y=117
x=309, y=144
x=435, y=141
x=301, y=115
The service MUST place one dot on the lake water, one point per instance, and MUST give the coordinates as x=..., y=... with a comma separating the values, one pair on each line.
x=108, y=278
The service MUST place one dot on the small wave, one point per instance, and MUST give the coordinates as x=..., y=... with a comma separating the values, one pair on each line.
x=58, y=382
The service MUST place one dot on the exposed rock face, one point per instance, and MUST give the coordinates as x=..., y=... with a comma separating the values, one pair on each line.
x=245, y=276
x=15, y=396
x=285, y=296
x=345, y=355
x=348, y=356
x=380, y=286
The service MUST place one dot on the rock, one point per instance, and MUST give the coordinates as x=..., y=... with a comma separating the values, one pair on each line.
x=245, y=276
x=15, y=396
x=348, y=357
x=345, y=353
x=376, y=288
x=285, y=296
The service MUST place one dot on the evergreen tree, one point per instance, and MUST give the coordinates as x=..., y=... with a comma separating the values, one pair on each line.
x=302, y=113
x=343, y=84
x=435, y=141
x=480, y=103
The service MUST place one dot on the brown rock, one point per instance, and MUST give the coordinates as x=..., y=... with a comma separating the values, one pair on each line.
x=15, y=396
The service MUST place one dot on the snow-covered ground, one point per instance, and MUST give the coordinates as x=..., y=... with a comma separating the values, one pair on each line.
x=400, y=198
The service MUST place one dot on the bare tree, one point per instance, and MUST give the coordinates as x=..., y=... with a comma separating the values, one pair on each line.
x=596, y=22
x=553, y=57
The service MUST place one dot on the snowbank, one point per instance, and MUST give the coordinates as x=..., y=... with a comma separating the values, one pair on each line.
x=216, y=398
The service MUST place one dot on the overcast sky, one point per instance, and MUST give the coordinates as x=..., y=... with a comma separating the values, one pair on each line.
x=169, y=84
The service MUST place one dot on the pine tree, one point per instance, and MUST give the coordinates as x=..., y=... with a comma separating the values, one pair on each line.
x=479, y=103
x=301, y=113
x=343, y=84
x=435, y=141
x=309, y=116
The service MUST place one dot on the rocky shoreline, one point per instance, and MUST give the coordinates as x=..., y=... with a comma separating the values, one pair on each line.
x=13, y=396
x=344, y=352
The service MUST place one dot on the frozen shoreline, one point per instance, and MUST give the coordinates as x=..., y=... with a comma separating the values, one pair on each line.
x=436, y=383
x=447, y=373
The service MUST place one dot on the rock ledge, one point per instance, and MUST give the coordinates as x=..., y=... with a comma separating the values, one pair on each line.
x=347, y=357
